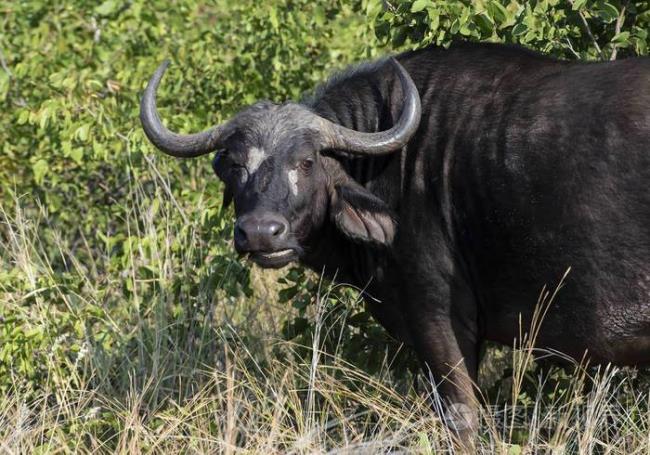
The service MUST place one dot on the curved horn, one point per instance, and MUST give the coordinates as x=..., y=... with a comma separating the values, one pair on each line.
x=383, y=142
x=183, y=146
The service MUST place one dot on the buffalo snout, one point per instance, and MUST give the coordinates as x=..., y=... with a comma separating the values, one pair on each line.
x=265, y=236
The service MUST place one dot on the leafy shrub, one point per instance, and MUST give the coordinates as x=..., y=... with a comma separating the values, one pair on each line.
x=582, y=29
x=93, y=219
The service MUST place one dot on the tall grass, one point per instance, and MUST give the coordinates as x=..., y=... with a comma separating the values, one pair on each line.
x=142, y=351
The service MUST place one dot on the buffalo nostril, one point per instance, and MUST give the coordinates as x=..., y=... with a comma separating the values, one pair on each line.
x=275, y=228
x=264, y=232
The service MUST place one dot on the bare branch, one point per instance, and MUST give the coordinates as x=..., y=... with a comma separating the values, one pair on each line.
x=3, y=62
x=389, y=6
x=591, y=35
x=619, y=24
x=573, y=51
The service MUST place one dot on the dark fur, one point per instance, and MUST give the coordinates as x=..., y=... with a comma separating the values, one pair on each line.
x=522, y=167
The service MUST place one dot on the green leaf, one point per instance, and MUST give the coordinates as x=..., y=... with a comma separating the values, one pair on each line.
x=83, y=132
x=434, y=19
x=519, y=29
x=40, y=168
x=273, y=18
x=399, y=36
x=577, y=5
x=77, y=154
x=107, y=8
x=621, y=38
x=466, y=28
x=44, y=115
x=498, y=12
x=23, y=117
x=319, y=15
x=424, y=443
x=607, y=12
x=420, y=5
x=485, y=22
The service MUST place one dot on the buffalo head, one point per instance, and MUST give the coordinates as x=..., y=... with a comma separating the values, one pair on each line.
x=271, y=159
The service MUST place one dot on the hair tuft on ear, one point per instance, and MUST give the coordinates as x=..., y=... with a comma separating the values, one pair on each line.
x=362, y=216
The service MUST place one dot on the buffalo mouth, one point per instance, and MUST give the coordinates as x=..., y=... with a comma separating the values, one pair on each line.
x=274, y=259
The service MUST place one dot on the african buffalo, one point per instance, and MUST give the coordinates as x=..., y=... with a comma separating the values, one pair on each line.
x=453, y=185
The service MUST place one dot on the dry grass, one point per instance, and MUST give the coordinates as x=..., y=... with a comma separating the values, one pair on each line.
x=301, y=408
x=187, y=371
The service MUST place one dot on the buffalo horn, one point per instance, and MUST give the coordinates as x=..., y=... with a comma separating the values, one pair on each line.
x=179, y=145
x=383, y=142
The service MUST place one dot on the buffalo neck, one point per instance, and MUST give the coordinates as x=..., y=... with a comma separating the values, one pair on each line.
x=365, y=99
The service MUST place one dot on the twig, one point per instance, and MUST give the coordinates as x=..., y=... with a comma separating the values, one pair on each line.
x=162, y=181
x=167, y=189
x=573, y=51
x=619, y=24
x=3, y=62
x=591, y=35
x=389, y=6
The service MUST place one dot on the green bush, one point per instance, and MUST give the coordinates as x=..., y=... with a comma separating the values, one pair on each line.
x=592, y=30
x=87, y=202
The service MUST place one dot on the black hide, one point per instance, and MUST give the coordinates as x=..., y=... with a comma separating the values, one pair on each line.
x=522, y=167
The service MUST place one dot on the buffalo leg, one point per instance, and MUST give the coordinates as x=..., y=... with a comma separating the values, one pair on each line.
x=445, y=342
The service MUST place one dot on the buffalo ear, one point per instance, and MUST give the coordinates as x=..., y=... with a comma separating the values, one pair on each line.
x=218, y=170
x=362, y=216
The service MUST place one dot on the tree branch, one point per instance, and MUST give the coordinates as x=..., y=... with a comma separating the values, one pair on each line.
x=3, y=62
x=591, y=35
x=619, y=24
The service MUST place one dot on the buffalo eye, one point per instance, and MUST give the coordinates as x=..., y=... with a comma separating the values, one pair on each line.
x=306, y=164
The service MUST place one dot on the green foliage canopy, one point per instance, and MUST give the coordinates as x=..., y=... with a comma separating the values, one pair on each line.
x=593, y=30
x=87, y=202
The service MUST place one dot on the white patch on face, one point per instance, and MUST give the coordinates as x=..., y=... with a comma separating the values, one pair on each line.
x=255, y=157
x=293, y=181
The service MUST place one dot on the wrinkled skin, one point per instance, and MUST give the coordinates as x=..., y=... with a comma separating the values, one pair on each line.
x=522, y=167
x=280, y=179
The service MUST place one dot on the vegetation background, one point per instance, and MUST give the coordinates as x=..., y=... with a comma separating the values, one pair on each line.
x=127, y=324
